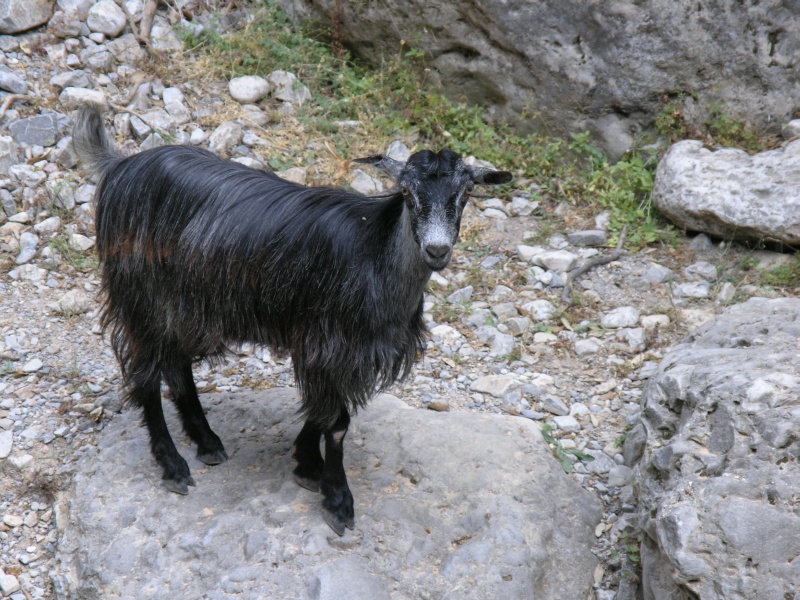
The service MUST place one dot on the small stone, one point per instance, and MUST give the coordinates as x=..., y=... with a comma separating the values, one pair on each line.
x=726, y=292
x=653, y=322
x=517, y=325
x=397, y=150
x=198, y=137
x=494, y=213
x=49, y=225
x=544, y=337
x=32, y=366
x=287, y=89
x=439, y=406
x=620, y=475
x=461, y=296
x=225, y=137
x=6, y=443
x=521, y=207
x=365, y=184
x=107, y=18
x=701, y=243
x=80, y=242
x=554, y=405
x=505, y=311
x=444, y=334
x=12, y=83
x=589, y=237
x=8, y=584
x=248, y=89
x=567, y=423
x=31, y=519
x=39, y=130
x=12, y=520
x=539, y=310
x=658, y=274
x=527, y=253
x=702, y=270
x=624, y=316
x=634, y=337
x=495, y=385
x=294, y=174
x=587, y=346
x=697, y=289
x=74, y=302
x=556, y=260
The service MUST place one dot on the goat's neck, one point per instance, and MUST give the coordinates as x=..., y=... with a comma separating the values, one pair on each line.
x=409, y=273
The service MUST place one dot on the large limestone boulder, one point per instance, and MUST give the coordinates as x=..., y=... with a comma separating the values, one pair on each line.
x=729, y=193
x=448, y=505
x=717, y=455
x=568, y=66
x=21, y=15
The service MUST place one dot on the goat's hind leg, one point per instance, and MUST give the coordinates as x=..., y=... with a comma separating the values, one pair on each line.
x=308, y=472
x=176, y=475
x=337, y=504
x=184, y=394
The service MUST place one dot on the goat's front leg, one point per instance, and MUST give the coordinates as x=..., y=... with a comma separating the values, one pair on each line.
x=337, y=504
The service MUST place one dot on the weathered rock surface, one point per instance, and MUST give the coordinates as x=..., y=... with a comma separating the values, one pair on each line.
x=731, y=194
x=719, y=442
x=447, y=506
x=20, y=15
x=599, y=65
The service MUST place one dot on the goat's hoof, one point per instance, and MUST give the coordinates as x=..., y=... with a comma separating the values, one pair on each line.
x=213, y=457
x=336, y=522
x=307, y=482
x=179, y=484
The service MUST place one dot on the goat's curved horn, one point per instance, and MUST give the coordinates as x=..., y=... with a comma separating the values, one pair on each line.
x=484, y=176
x=390, y=166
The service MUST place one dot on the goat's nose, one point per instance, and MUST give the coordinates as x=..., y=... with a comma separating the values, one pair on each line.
x=437, y=250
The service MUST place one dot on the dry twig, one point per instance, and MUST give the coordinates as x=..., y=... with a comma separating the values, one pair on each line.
x=566, y=295
x=8, y=100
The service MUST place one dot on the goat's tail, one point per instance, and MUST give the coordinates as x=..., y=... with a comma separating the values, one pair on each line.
x=91, y=142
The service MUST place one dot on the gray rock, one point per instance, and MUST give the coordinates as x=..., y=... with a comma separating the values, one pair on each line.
x=556, y=260
x=248, y=512
x=587, y=346
x=74, y=302
x=248, y=89
x=695, y=289
x=501, y=344
x=49, y=225
x=539, y=310
x=624, y=316
x=658, y=274
x=495, y=385
x=9, y=153
x=590, y=237
x=634, y=337
x=731, y=194
x=11, y=82
x=6, y=443
x=478, y=318
x=522, y=207
x=554, y=405
x=716, y=475
x=126, y=49
x=461, y=296
x=398, y=151
x=701, y=243
x=78, y=78
x=28, y=243
x=791, y=129
x=364, y=183
x=107, y=18
x=702, y=270
x=7, y=201
x=20, y=15
x=224, y=137
x=162, y=37
x=286, y=88
x=138, y=128
x=39, y=130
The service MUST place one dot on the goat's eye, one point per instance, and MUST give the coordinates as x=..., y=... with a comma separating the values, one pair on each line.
x=405, y=191
x=470, y=187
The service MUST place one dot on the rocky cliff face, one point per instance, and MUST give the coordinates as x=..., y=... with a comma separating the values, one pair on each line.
x=574, y=65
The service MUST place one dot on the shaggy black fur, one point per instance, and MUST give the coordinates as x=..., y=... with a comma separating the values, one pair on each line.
x=199, y=252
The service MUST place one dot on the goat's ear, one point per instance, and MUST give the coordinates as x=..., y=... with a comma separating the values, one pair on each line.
x=390, y=166
x=483, y=176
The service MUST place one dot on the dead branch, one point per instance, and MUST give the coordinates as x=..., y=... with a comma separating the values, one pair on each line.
x=566, y=295
x=146, y=24
x=8, y=100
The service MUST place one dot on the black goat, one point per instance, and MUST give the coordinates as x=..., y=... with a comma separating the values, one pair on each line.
x=200, y=252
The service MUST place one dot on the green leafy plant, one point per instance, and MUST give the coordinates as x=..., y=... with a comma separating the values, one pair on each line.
x=560, y=452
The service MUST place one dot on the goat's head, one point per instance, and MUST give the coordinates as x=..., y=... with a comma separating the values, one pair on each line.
x=435, y=188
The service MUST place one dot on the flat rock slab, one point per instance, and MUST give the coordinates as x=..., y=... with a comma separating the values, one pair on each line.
x=448, y=505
